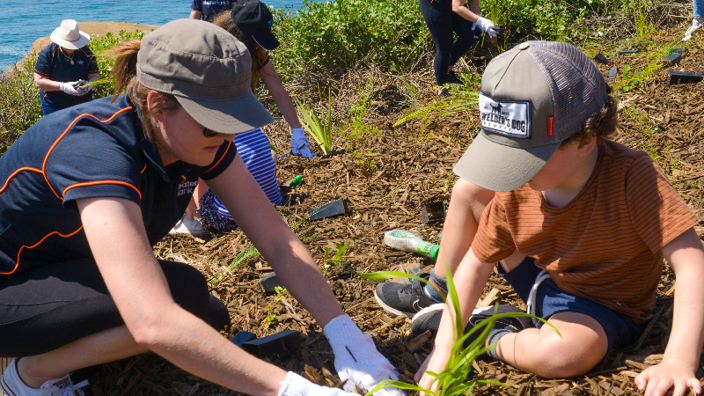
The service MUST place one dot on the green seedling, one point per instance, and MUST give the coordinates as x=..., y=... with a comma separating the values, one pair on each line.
x=631, y=77
x=453, y=379
x=271, y=318
x=320, y=130
x=337, y=257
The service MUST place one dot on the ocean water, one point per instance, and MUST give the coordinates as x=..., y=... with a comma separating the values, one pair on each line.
x=24, y=21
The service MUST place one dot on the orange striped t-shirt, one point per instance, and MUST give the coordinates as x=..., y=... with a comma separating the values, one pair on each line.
x=606, y=243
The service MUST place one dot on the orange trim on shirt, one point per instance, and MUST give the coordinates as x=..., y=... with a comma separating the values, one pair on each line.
x=143, y=169
x=103, y=182
x=19, y=252
x=223, y=156
x=16, y=172
x=43, y=172
x=46, y=158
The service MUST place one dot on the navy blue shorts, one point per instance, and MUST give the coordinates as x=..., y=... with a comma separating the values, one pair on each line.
x=550, y=299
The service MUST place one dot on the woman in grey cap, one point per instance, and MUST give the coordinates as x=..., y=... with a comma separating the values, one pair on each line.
x=249, y=21
x=88, y=191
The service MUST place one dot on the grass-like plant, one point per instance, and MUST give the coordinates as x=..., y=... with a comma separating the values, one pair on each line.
x=320, y=130
x=98, y=81
x=453, y=380
x=461, y=100
x=358, y=111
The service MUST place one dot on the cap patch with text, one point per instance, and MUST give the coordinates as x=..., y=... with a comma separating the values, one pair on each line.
x=511, y=118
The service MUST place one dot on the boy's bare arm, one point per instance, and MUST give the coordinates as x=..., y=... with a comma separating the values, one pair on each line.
x=467, y=203
x=681, y=359
x=469, y=279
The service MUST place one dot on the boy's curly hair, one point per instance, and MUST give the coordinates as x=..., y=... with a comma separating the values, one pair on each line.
x=602, y=125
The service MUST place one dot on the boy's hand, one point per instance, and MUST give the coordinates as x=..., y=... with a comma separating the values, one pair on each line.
x=435, y=363
x=658, y=379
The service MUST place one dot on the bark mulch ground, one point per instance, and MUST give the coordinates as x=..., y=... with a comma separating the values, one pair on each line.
x=385, y=179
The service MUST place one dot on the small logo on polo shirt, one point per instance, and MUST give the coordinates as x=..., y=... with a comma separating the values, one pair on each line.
x=186, y=186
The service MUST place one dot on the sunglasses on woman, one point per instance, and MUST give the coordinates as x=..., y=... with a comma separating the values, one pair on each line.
x=208, y=133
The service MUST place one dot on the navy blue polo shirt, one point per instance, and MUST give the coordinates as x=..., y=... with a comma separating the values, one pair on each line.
x=96, y=149
x=211, y=7
x=54, y=65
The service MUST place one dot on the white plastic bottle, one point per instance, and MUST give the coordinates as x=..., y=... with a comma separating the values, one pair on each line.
x=410, y=242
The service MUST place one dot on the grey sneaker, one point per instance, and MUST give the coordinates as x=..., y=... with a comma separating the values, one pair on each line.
x=12, y=385
x=402, y=298
x=428, y=319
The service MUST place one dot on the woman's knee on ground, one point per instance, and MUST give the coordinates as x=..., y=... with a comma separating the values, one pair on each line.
x=189, y=288
x=190, y=291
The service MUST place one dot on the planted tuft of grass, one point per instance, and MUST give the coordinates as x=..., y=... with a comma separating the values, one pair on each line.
x=454, y=379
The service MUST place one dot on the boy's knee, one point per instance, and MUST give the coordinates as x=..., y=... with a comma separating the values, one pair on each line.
x=563, y=357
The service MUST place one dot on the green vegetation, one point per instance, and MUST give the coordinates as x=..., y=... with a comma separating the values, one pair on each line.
x=19, y=106
x=336, y=35
x=359, y=110
x=325, y=39
x=101, y=47
x=463, y=100
x=337, y=257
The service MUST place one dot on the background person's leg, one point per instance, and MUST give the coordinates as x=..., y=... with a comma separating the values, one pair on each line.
x=467, y=35
x=698, y=6
x=437, y=15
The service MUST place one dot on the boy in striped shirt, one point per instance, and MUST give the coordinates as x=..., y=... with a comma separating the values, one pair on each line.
x=579, y=225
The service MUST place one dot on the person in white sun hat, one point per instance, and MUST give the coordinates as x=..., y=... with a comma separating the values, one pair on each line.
x=63, y=67
x=698, y=21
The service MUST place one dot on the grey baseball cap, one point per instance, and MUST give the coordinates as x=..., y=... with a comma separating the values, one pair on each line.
x=208, y=71
x=532, y=97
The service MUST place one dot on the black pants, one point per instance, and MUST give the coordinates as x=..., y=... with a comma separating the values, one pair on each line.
x=442, y=22
x=48, y=307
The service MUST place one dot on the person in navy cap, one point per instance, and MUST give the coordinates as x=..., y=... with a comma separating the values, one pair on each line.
x=251, y=22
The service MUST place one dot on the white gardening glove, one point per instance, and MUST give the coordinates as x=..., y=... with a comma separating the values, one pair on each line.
x=82, y=90
x=295, y=385
x=299, y=143
x=69, y=87
x=487, y=27
x=357, y=361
